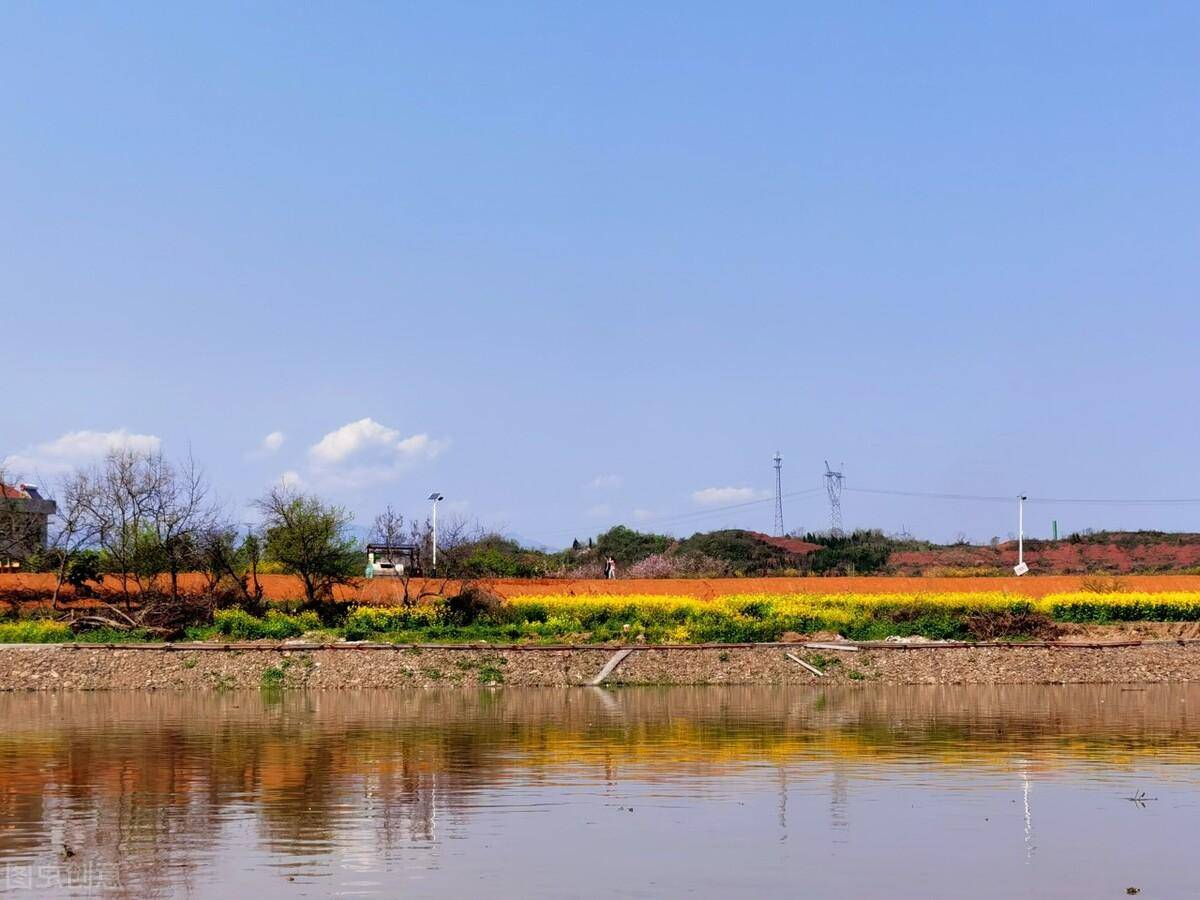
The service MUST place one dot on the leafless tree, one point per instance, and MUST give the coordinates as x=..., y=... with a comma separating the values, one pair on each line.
x=75, y=529
x=388, y=527
x=147, y=515
x=455, y=537
x=118, y=506
x=178, y=512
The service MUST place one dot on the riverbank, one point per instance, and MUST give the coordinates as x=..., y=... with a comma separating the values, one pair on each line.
x=275, y=665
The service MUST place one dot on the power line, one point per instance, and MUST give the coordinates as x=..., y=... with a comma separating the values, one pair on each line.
x=930, y=495
x=834, y=486
x=696, y=514
x=1116, y=502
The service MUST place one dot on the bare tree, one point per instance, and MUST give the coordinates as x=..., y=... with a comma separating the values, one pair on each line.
x=147, y=515
x=118, y=506
x=75, y=529
x=178, y=513
x=388, y=527
x=455, y=537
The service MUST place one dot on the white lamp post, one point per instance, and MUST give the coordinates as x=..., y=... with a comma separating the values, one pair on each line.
x=1020, y=568
x=436, y=498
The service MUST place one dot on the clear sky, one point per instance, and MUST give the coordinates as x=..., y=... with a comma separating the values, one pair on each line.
x=580, y=264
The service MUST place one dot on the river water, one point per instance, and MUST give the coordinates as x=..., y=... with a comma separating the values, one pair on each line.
x=1071, y=791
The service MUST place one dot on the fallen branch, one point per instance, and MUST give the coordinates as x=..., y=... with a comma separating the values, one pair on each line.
x=794, y=658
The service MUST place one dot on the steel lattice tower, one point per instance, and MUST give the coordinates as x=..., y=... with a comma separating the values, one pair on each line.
x=833, y=486
x=778, y=494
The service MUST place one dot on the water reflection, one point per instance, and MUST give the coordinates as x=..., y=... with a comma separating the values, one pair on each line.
x=542, y=791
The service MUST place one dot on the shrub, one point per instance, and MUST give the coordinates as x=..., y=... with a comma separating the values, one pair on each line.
x=627, y=546
x=678, y=565
x=275, y=625
x=471, y=604
x=741, y=552
x=34, y=631
x=368, y=621
x=988, y=626
x=1102, y=584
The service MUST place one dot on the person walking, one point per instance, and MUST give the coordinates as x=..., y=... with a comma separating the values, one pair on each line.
x=610, y=568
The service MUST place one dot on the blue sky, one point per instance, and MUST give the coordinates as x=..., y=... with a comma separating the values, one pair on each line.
x=575, y=265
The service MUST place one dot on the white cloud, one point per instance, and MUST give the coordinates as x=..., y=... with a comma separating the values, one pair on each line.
x=421, y=446
x=291, y=479
x=606, y=482
x=599, y=511
x=353, y=438
x=76, y=448
x=715, y=496
x=366, y=452
x=268, y=445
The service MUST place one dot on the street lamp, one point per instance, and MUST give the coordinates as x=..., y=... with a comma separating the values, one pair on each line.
x=1020, y=568
x=436, y=498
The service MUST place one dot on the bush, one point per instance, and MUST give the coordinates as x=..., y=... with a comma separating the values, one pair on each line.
x=678, y=565
x=743, y=552
x=365, y=622
x=237, y=623
x=471, y=604
x=627, y=546
x=861, y=552
x=34, y=631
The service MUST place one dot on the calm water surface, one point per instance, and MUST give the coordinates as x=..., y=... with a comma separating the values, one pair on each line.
x=864, y=792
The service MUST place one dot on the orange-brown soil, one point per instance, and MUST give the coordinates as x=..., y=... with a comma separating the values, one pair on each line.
x=389, y=591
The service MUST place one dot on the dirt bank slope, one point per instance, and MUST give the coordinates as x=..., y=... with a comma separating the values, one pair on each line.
x=75, y=667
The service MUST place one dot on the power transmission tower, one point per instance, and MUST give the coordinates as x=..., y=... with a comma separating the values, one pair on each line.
x=778, y=494
x=833, y=486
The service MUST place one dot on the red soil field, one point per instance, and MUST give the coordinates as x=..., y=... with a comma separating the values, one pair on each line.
x=1063, y=556
x=389, y=591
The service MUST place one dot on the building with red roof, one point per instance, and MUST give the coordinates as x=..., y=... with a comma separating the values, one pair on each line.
x=24, y=523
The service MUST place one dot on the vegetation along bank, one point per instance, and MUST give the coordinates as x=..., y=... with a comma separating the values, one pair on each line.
x=478, y=638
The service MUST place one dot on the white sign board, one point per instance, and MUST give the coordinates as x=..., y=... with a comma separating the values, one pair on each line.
x=1020, y=568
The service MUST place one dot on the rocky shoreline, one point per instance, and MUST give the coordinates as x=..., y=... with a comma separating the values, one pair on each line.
x=166, y=667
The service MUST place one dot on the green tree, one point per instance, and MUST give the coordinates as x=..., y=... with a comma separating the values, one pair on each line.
x=745, y=552
x=628, y=546
x=309, y=539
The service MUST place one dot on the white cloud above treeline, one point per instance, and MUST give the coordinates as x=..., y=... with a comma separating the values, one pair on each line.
x=367, y=452
x=74, y=449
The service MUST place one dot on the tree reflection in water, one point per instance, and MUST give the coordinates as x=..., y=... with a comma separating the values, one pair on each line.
x=155, y=785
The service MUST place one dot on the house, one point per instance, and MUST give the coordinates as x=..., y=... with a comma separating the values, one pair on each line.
x=393, y=559
x=24, y=523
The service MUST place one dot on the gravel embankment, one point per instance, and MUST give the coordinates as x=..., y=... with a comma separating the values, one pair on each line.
x=154, y=667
